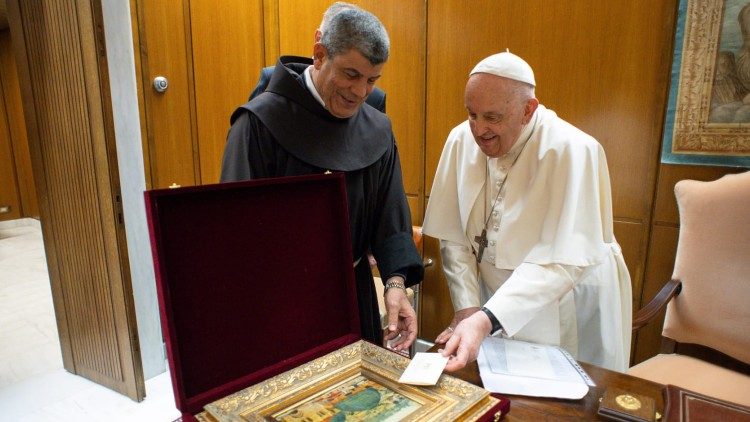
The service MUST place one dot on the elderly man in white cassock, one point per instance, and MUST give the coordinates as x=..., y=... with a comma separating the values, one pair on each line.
x=522, y=206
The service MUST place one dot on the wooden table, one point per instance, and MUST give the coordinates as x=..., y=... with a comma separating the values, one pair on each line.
x=523, y=408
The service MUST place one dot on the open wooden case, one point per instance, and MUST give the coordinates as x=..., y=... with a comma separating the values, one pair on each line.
x=259, y=312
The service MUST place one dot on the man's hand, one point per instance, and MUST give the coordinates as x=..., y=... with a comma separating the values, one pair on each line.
x=457, y=317
x=402, y=320
x=463, y=346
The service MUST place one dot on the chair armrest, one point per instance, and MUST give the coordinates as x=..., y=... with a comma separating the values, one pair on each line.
x=648, y=312
x=416, y=235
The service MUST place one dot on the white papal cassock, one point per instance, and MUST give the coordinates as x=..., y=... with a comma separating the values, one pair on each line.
x=553, y=272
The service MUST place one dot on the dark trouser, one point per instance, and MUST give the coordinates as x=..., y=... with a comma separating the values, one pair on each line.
x=369, y=314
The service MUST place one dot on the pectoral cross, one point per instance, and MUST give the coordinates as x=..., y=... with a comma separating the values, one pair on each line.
x=482, y=242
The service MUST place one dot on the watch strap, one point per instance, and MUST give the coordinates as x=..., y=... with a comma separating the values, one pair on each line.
x=496, y=326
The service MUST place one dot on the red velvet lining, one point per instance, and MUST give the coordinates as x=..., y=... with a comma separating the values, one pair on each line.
x=254, y=278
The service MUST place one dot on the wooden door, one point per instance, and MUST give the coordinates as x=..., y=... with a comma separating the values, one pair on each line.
x=62, y=63
x=10, y=201
x=211, y=54
x=16, y=179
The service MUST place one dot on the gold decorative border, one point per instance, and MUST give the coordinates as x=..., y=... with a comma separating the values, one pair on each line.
x=450, y=399
x=692, y=133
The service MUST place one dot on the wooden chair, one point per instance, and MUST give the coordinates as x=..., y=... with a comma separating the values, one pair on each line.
x=706, y=334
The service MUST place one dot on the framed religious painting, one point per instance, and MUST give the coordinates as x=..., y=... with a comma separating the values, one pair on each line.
x=356, y=382
x=708, y=112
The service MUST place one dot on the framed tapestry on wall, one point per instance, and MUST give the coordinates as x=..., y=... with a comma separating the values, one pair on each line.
x=708, y=112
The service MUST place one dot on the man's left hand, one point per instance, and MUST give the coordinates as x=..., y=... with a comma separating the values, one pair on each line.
x=402, y=320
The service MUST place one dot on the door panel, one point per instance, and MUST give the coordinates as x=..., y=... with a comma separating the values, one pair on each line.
x=9, y=200
x=404, y=83
x=211, y=53
x=165, y=52
x=227, y=58
x=16, y=130
x=298, y=20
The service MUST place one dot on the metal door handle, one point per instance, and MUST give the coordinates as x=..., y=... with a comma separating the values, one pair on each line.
x=161, y=84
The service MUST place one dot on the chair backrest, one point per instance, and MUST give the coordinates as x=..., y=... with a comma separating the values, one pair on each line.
x=713, y=263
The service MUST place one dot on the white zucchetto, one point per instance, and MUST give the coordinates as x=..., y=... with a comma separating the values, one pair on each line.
x=507, y=65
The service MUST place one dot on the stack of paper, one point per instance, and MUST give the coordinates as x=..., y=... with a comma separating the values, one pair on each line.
x=528, y=369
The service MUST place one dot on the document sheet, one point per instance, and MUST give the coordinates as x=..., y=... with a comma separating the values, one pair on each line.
x=529, y=369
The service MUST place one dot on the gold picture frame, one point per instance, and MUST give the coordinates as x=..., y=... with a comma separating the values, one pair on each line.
x=703, y=125
x=359, y=380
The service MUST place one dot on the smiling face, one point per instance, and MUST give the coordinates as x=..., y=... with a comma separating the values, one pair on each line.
x=498, y=110
x=343, y=81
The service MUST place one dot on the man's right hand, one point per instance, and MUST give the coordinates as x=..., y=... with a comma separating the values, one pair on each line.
x=463, y=346
x=402, y=319
x=457, y=317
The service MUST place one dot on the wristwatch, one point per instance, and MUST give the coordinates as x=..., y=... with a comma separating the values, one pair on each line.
x=496, y=326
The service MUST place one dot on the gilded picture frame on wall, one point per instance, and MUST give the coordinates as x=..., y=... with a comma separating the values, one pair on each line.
x=356, y=382
x=708, y=112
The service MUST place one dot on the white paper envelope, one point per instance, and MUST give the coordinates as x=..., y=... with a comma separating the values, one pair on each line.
x=424, y=369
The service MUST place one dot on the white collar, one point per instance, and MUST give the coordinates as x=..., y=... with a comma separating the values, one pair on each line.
x=311, y=86
x=523, y=137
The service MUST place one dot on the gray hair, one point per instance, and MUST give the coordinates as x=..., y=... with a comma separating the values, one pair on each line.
x=523, y=91
x=359, y=29
x=332, y=11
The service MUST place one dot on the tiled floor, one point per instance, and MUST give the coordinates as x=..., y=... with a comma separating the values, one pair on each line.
x=33, y=384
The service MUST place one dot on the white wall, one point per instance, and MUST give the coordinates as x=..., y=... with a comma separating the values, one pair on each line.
x=120, y=57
